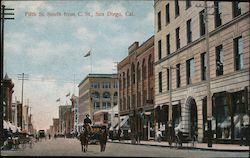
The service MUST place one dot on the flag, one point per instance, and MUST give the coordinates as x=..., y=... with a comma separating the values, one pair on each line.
x=88, y=54
x=67, y=94
x=58, y=100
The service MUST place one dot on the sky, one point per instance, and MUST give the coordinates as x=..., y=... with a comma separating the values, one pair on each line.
x=47, y=40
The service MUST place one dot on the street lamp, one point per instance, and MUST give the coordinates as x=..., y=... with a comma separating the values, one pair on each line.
x=170, y=123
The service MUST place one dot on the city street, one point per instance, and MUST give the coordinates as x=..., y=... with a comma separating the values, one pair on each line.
x=71, y=147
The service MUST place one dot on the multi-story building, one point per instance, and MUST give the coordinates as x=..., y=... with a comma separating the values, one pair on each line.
x=202, y=73
x=75, y=105
x=25, y=118
x=7, y=95
x=62, y=123
x=136, y=88
x=19, y=114
x=97, y=92
x=56, y=126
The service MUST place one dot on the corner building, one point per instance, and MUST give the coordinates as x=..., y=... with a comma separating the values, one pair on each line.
x=182, y=78
x=136, y=88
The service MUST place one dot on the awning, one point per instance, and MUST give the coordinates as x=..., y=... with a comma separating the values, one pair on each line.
x=125, y=119
x=7, y=125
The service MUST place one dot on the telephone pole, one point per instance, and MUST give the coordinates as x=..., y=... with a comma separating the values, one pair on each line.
x=209, y=103
x=22, y=77
x=3, y=18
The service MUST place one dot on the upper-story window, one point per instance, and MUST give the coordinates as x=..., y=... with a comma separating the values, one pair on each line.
x=167, y=14
x=144, y=70
x=189, y=31
x=203, y=66
x=115, y=94
x=106, y=95
x=218, y=12
x=106, y=85
x=138, y=72
x=95, y=85
x=178, y=75
x=120, y=81
x=190, y=70
x=238, y=53
x=236, y=8
x=159, y=49
x=202, y=23
x=219, y=60
x=96, y=106
x=160, y=81
x=188, y=4
x=177, y=37
x=177, y=8
x=106, y=105
x=124, y=80
x=133, y=73
x=159, y=21
x=115, y=84
x=150, y=65
x=168, y=43
x=128, y=78
x=95, y=95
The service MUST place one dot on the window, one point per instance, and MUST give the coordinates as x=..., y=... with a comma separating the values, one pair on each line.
x=106, y=105
x=138, y=72
x=106, y=85
x=106, y=95
x=143, y=70
x=124, y=80
x=190, y=70
x=219, y=60
x=188, y=4
x=159, y=21
x=167, y=14
x=95, y=95
x=189, y=31
x=178, y=75
x=95, y=85
x=236, y=8
x=96, y=105
x=159, y=49
x=168, y=43
x=168, y=79
x=128, y=102
x=202, y=23
x=115, y=94
x=133, y=73
x=150, y=66
x=115, y=84
x=128, y=78
x=160, y=82
x=177, y=36
x=218, y=12
x=177, y=8
x=238, y=53
x=203, y=66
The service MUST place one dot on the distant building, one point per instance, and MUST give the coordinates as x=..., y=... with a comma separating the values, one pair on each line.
x=75, y=113
x=19, y=114
x=62, y=119
x=7, y=98
x=136, y=88
x=97, y=92
x=56, y=126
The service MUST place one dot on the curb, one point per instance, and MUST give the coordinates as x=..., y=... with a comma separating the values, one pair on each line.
x=188, y=148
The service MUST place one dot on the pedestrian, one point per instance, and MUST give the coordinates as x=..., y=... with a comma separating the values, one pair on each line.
x=103, y=138
x=49, y=135
x=159, y=136
x=119, y=134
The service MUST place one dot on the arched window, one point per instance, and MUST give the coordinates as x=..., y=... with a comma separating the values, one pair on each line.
x=128, y=78
x=143, y=70
x=138, y=72
x=124, y=80
x=106, y=95
x=95, y=95
x=150, y=66
x=133, y=73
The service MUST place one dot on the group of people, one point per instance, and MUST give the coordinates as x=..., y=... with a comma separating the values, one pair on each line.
x=84, y=135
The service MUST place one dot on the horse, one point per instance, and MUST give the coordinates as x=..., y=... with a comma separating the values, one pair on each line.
x=84, y=138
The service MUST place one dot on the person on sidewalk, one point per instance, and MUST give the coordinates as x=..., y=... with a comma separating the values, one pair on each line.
x=103, y=138
x=159, y=136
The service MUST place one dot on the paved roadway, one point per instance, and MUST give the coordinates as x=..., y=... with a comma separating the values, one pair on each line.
x=71, y=147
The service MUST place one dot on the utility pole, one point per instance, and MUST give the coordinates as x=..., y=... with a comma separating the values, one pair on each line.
x=209, y=104
x=2, y=13
x=22, y=77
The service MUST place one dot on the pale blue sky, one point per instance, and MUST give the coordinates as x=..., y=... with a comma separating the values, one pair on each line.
x=51, y=48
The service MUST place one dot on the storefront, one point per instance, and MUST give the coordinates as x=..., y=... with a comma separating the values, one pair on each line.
x=231, y=116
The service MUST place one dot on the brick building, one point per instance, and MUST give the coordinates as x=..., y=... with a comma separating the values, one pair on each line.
x=136, y=87
x=184, y=80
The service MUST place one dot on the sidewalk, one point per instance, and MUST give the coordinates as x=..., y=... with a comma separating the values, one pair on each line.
x=199, y=146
